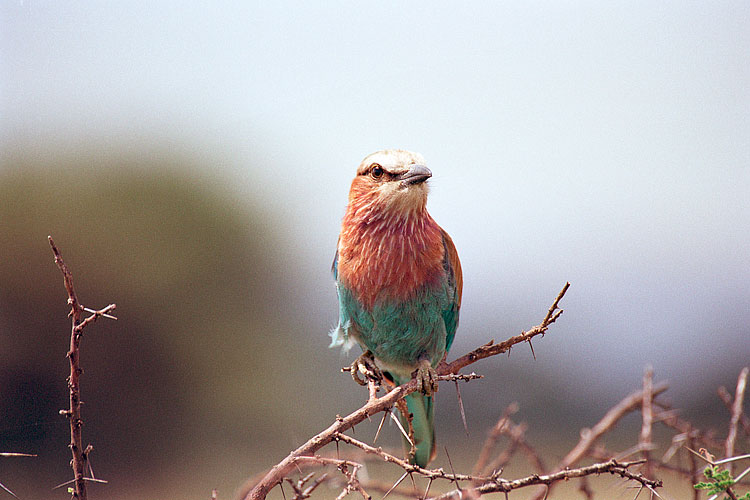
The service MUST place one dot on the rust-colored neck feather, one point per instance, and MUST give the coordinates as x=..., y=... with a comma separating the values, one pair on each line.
x=387, y=252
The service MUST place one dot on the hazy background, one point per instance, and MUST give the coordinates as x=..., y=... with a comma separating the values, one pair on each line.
x=192, y=161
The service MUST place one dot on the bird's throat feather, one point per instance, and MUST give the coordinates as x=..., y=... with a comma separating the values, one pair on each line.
x=388, y=256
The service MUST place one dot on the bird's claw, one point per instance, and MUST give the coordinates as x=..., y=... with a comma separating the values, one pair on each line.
x=365, y=364
x=427, y=381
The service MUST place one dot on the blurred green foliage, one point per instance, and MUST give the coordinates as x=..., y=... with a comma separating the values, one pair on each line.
x=195, y=275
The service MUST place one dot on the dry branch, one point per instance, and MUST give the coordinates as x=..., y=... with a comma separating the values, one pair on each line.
x=446, y=371
x=590, y=436
x=739, y=396
x=492, y=438
x=611, y=466
x=647, y=414
x=73, y=413
x=728, y=401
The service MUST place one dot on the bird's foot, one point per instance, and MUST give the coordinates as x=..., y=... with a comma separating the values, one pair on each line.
x=427, y=381
x=365, y=364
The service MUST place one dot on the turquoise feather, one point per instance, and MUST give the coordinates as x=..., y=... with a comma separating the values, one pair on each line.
x=399, y=333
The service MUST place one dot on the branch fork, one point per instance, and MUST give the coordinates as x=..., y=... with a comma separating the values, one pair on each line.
x=73, y=414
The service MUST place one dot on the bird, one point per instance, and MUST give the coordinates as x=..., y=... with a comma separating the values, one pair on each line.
x=399, y=284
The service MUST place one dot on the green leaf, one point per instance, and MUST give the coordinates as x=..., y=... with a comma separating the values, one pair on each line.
x=720, y=478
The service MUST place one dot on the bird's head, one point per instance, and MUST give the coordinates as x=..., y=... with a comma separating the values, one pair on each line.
x=392, y=182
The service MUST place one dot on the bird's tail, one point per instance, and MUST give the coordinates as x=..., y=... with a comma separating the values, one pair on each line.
x=421, y=408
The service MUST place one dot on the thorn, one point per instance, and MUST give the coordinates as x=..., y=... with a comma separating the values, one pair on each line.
x=461, y=407
x=638, y=492
x=725, y=460
x=453, y=471
x=532, y=349
x=414, y=485
x=401, y=428
x=105, y=315
x=385, y=414
x=85, y=479
x=426, y=491
x=6, y=489
x=395, y=485
x=64, y=484
x=653, y=492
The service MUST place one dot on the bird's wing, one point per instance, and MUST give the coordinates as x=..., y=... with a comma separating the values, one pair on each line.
x=452, y=266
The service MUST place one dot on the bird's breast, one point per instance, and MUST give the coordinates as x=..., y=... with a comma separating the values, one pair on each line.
x=390, y=260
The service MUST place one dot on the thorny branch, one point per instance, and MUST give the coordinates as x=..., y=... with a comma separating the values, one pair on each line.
x=486, y=476
x=590, y=436
x=374, y=405
x=73, y=413
x=611, y=466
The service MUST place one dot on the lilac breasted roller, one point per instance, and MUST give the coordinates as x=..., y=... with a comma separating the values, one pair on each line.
x=399, y=282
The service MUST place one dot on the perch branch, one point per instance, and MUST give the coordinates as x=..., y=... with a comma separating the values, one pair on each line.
x=446, y=371
x=492, y=349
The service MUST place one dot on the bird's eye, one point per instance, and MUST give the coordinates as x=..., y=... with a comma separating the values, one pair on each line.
x=376, y=171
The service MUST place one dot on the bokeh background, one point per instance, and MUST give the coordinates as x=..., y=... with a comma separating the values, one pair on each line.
x=192, y=161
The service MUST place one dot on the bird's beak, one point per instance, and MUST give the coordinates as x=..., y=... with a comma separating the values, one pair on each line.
x=415, y=175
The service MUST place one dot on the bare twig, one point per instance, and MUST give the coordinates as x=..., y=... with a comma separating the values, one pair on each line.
x=8, y=490
x=612, y=466
x=517, y=435
x=647, y=416
x=446, y=371
x=492, y=349
x=728, y=401
x=739, y=396
x=408, y=468
x=674, y=421
x=74, y=412
x=489, y=444
x=589, y=436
